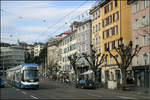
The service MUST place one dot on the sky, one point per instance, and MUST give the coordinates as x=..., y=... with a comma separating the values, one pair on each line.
x=36, y=21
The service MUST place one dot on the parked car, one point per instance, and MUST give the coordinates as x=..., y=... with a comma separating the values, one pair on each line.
x=1, y=83
x=85, y=84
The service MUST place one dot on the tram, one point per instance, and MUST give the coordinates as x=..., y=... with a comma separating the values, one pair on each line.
x=23, y=76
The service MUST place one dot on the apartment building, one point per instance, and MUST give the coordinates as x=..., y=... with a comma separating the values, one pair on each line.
x=140, y=36
x=83, y=37
x=96, y=26
x=53, y=55
x=114, y=19
x=68, y=49
x=37, y=48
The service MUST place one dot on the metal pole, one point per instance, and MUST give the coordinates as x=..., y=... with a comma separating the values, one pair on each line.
x=3, y=65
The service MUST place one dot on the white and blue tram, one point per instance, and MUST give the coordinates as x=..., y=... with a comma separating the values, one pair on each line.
x=23, y=76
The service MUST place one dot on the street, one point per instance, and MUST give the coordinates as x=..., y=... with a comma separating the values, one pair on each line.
x=56, y=90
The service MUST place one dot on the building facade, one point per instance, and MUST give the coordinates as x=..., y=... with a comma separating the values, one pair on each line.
x=83, y=36
x=37, y=48
x=140, y=31
x=111, y=20
x=68, y=49
x=11, y=56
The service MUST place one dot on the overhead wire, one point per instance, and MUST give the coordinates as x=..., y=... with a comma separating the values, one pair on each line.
x=20, y=17
x=65, y=16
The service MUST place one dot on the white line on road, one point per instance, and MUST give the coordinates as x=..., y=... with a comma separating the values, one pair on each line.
x=122, y=97
x=34, y=97
x=94, y=95
x=17, y=89
x=23, y=92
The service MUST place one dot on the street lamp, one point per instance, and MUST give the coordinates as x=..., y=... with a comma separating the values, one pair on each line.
x=145, y=58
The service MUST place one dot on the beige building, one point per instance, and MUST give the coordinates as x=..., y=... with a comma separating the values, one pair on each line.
x=37, y=48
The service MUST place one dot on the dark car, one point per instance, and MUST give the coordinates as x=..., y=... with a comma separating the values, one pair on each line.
x=85, y=84
x=1, y=82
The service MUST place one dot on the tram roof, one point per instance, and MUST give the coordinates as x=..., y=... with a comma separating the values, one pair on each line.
x=22, y=65
x=29, y=64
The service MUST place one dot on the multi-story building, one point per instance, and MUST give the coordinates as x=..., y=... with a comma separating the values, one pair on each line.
x=83, y=37
x=53, y=54
x=114, y=23
x=11, y=56
x=37, y=48
x=96, y=26
x=68, y=49
x=140, y=36
x=29, y=51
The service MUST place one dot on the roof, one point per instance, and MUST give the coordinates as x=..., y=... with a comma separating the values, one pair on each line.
x=66, y=32
x=29, y=64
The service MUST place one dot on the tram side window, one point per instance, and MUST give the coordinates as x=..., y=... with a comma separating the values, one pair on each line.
x=17, y=76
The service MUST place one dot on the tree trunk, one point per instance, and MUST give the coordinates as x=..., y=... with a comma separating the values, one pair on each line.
x=95, y=77
x=124, y=77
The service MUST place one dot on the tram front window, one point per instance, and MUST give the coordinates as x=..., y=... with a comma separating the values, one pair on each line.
x=31, y=75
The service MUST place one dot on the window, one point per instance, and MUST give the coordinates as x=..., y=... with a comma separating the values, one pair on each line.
x=137, y=6
x=99, y=26
x=113, y=44
x=110, y=6
x=110, y=45
x=116, y=29
x=146, y=3
x=105, y=46
x=107, y=33
x=83, y=47
x=110, y=19
x=110, y=59
x=110, y=32
x=106, y=9
x=147, y=20
x=116, y=4
x=99, y=13
x=116, y=43
x=96, y=14
x=141, y=41
x=145, y=40
x=113, y=31
x=137, y=26
x=115, y=16
x=83, y=37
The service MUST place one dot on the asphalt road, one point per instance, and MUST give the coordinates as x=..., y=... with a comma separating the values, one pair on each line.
x=55, y=90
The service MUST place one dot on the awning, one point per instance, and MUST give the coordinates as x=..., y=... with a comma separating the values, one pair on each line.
x=88, y=72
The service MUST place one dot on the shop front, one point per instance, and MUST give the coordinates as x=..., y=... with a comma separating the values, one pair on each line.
x=141, y=76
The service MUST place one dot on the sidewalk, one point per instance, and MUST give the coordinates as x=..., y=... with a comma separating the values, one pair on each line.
x=138, y=94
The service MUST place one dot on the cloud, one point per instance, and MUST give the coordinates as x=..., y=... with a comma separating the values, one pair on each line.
x=31, y=27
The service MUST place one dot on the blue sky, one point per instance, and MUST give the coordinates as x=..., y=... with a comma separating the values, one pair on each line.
x=34, y=21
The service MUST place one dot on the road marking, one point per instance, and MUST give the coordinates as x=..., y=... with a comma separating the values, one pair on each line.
x=23, y=92
x=17, y=89
x=122, y=97
x=33, y=97
x=94, y=95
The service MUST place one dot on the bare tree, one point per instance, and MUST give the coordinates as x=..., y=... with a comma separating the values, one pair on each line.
x=126, y=54
x=73, y=61
x=94, y=59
